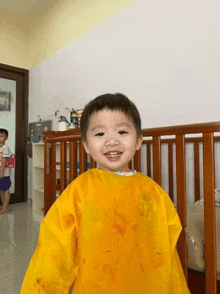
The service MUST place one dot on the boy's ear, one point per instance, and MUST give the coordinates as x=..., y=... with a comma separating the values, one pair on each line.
x=139, y=142
x=86, y=147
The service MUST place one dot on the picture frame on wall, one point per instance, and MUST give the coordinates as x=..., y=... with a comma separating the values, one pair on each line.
x=5, y=101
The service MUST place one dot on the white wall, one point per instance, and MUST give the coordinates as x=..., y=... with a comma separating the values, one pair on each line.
x=164, y=55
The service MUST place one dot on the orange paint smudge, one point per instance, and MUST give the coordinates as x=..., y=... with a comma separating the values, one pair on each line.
x=122, y=218
x=143, y=266
x=159, y=264
x=120, y=229
x=113, y=274
x=106, y=267
x=84, y=260
x=134, y=227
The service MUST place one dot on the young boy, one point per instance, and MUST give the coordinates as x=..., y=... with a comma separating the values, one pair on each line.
x=5, y=182
x=113, y=230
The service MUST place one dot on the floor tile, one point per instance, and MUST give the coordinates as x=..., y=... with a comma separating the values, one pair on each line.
x=18, y=240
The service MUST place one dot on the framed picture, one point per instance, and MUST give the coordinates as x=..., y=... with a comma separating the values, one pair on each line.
x=5, y=101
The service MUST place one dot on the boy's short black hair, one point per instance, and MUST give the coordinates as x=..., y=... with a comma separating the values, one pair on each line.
x=4, y=131
x=117, y=101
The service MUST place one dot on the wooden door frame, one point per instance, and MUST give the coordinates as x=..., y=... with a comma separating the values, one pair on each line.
x=21, y=76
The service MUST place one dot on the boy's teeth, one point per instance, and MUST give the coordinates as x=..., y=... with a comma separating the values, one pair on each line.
x=113, y=153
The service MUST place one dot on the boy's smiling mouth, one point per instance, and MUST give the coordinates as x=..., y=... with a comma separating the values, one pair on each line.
x=113, y=154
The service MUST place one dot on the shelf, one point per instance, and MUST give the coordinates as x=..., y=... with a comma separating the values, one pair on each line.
x=38, y=166
x=38, y=182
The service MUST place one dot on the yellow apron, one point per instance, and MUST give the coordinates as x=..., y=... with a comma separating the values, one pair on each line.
x=107, y=234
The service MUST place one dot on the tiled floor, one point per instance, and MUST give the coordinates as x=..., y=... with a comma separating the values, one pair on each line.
x=18, y=240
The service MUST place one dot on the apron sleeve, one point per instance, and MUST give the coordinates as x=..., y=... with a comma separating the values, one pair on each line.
x=53, y=267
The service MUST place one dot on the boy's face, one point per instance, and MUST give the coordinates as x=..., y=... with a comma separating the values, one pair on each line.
x=3, y=138
x=112, y=140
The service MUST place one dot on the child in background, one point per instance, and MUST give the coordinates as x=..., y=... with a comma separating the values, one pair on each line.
x=5, y=182
x=113, y=230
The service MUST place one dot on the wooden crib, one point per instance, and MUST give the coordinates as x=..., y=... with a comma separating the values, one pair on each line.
x=65, y=159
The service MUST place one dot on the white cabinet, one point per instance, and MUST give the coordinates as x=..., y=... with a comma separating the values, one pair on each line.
x=38, y=181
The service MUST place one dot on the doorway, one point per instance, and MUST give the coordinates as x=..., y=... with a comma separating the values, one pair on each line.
x=20, y=78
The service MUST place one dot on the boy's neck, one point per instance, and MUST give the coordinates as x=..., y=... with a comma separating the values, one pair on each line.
x=2, y=144
x=117, y=171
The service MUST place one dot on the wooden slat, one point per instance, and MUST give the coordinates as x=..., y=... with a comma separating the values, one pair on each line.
x=170, y=164
x=83, y=159
x=214, y=160
x=70, y=162
x=73, y=161
x=196, y=172
x=209, y=214
x=137, y=160
x=157, y=160
x=148, y=156
x=93, y=163
x=46, y=173
x=63, y=176
x=53, y=172
x=181, y=199
x=47, y=157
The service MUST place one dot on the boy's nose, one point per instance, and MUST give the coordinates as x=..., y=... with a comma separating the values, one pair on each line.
x=111, y=141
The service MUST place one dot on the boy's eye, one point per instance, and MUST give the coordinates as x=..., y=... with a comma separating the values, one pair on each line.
x=123, y=132
x=100, y=134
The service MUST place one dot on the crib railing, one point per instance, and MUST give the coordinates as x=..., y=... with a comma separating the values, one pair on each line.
x=207, y=130
x=155, y=137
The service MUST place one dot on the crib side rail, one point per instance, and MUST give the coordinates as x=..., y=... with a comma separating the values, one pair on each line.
x=207, y=131
x=156, y=134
